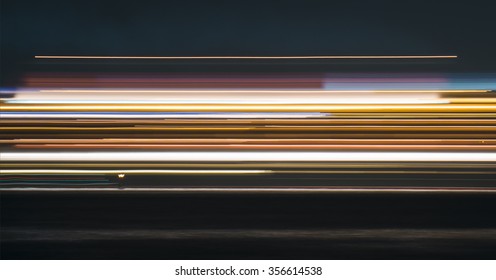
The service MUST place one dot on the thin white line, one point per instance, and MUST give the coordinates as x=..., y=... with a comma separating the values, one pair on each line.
x=233, y=101
x=432, y=190
x=144, y=171
x=250, y=156
x=118, y=115
x=262, y=91
x=251, y=57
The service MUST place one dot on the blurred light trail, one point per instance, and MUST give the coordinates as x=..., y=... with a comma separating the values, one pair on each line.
x=252, y=57
x=262, y=147
x=234, y=101
x=263, y=91
x=171, y=80
x=264, y=128
x=235, y=141
x=253, y=81
x=305, y=130
x=269, y=190
x=254, y=121
x=259, y=165
x=249, y=156
x=121, y=173
x=153, y=115
x=130, y=171
x=448, y=108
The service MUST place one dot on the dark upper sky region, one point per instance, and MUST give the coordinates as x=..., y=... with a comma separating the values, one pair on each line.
x=185, y=27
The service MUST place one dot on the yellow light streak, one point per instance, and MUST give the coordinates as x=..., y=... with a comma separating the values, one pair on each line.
x=268, y=128
x=252, y=156
x=260, y=91
x=230, y=172
x=321, y=189
x=341, y=165
x=449, y=108
x=294, y=141
x=252, y=57
x=120, y=173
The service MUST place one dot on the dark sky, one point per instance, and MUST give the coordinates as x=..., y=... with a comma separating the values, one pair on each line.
x=251, y=27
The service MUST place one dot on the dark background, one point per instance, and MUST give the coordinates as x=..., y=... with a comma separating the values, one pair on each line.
x=161, y=225
x=196, y=27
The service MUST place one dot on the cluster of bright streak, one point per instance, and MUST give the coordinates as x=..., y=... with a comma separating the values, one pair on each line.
x=165, y=124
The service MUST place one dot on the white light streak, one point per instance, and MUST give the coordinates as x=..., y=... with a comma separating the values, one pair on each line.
x=243, y=101
x=274, y=190
x=117, y=115
x=121, y=173
x=250, y=57
x=252, y=156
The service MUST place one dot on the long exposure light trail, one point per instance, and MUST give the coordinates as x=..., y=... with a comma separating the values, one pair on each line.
x=274, y=141
x=121, y=172
x=287, y=101
x=383, y=108
x=252, y=121
x=269, y=190
x=267, y=128
x=319, y=128
x=155, y=115
x=250, y=156
x=253, y=57
x=263, y=91
x=262, y=147
x=259, y=165
x=131, y=171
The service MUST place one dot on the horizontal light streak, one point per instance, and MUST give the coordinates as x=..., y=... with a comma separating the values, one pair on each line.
x=250, y=156
x=255, y=141
x=265, y=134
x=222, y=95
x=451, y=108
x=413, y=115
x=231, y=121
x=267, y=91
x=247, y=115
x=251, y=57
x=130, y=171
x=265, y=190
x=122, y=173
x=378, y=101
x=247, y=128
x=259, y=165
x=471, y=100
x=282, y=115
x=258, y=147
x=380, y=172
